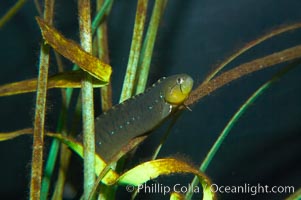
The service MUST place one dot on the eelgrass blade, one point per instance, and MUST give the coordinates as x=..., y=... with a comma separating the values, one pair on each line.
x=38, y=7
x=106, y=192
x=55, y=145
x=244, y=69
x=236, y=117
x=166, y=134
x=14, y=134
x=75, y=53
x=40, y=112
x=70, y=79
x=148, y=45
x=152, y=169
x=99, y=15
x=129, y=80
x=11, y=12
x=162, y=141
x=84, y=12
x=65, y=152
x=295, y=196
x=49, y=167
x=103, y=49
x=128, y=88
x=251, y=45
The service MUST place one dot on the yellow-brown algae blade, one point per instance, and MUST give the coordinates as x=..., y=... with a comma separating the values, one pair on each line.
x=74, y=52
x=70, y=79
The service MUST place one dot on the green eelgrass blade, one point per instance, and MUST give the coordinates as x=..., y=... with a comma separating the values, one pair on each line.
x=99, y=15
x=51, y=160
x=148, y=45
x=235, y=118
x=129, y=80
x=106, y=192
x=162, y=141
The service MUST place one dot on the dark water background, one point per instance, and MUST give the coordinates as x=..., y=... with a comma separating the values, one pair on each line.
x=194, y=36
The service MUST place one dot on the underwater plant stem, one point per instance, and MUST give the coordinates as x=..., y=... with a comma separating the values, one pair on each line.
x=295, y=196
x=106, y=10
x=84, y=10
x=251, y=45
x=167, y=132
x=11, y=12
x=242, y=70
x=100, y=25
x=217, y=144
x=55, y=145
x=40, y=112
x=131, y=71
x=100, y=14
x=88, y=132
x=162, y=141
x=148, y=45
x=38, y=7
x=65, y=152
x=64, y=162
x=49, y=168
x=103, y=49
x=52, y=157
x=129, y=80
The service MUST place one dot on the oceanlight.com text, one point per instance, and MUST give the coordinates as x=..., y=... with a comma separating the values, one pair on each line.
x=252, y=189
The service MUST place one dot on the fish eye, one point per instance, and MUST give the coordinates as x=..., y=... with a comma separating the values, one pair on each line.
x=180, y=81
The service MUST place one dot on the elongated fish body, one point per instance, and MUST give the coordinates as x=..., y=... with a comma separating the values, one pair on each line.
x=139, y=114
